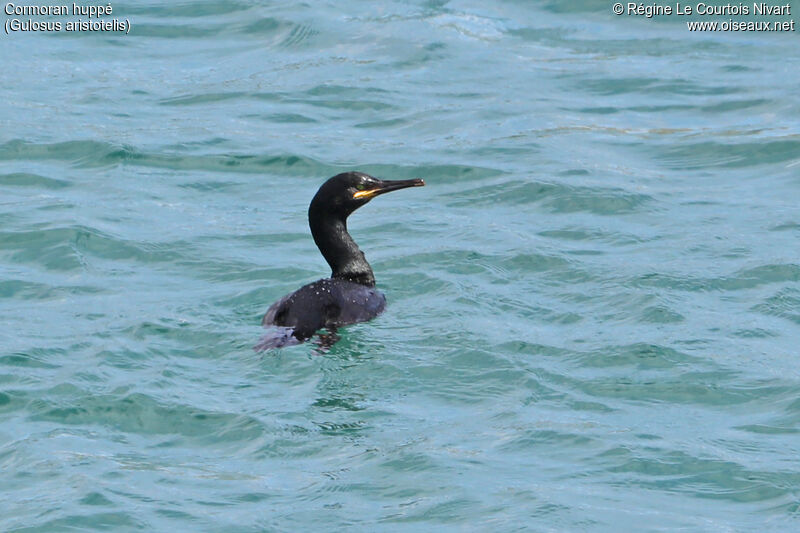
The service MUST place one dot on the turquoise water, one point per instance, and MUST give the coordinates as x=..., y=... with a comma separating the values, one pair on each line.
x=594, y=305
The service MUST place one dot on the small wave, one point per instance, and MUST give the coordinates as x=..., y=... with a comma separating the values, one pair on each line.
x=745, y=279
x=300, y=35
x=14, y=288
x=103, y=154
x=141, y=414
x=556, y=197
x=470, y=25
x=677, y=471
x=784, y=304
x=711, y=154
x=648, y=86
x=25, y=179
x=202, y=99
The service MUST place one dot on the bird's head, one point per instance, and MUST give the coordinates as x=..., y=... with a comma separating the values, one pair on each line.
x=346, y=192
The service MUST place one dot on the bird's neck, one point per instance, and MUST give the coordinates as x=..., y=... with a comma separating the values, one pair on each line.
x=340, y=250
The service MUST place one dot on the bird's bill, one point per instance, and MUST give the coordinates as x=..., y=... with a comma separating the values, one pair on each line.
x=388, y=186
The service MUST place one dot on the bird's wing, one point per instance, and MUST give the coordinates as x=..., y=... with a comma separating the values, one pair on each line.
x=274, y=310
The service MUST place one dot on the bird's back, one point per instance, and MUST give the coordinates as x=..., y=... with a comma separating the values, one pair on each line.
x=325, y=303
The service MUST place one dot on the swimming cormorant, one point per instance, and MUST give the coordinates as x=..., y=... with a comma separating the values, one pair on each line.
x=349, y=295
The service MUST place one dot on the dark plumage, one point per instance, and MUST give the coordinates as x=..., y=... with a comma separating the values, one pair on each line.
x=349, y=295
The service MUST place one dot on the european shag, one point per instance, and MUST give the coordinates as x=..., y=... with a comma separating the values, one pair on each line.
x=349, y=295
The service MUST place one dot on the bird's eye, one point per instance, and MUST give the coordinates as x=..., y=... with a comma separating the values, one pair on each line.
x=360, y=187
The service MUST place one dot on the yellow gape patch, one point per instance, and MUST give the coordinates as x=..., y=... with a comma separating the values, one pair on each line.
x=365, y=194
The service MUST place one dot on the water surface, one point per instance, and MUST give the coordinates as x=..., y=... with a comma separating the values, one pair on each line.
x=594, y=305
